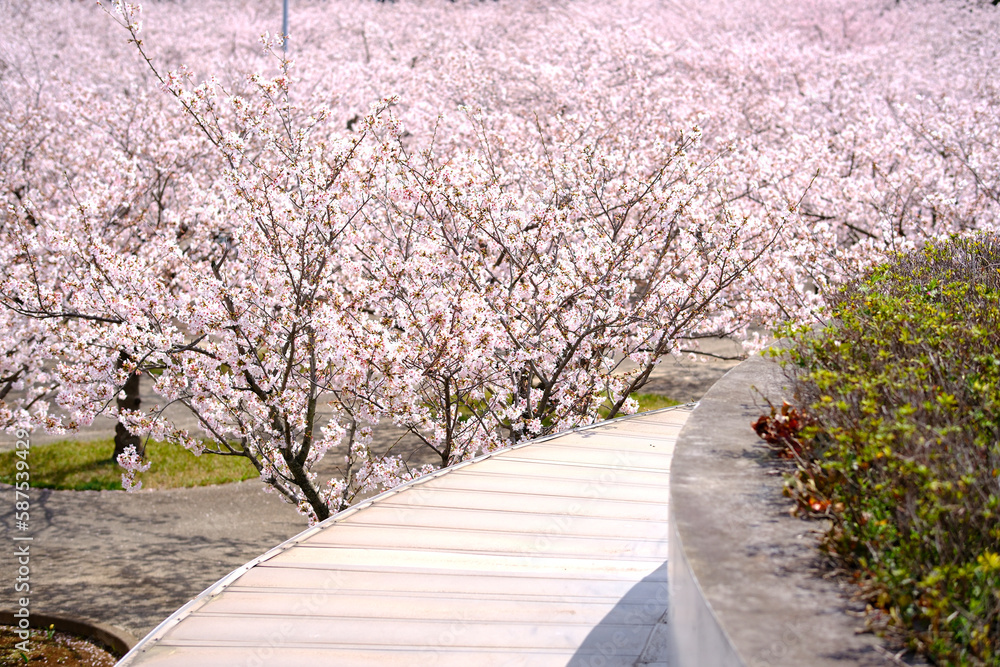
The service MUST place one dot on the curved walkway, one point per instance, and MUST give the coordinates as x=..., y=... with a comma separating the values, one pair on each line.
x=547, y=553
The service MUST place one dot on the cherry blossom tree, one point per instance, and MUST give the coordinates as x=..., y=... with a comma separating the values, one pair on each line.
x=466, y=219
x=68, y=212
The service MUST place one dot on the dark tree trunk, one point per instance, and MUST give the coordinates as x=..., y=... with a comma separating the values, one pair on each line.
x=131, y=402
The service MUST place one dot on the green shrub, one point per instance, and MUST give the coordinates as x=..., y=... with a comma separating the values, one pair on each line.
x=897, y=440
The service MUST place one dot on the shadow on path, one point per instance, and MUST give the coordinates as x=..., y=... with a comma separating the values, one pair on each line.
x=622, y=636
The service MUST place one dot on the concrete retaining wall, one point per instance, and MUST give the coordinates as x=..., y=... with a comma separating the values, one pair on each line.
x=745, y=576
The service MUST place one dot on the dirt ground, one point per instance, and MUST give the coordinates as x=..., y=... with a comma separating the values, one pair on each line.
x=130, y=560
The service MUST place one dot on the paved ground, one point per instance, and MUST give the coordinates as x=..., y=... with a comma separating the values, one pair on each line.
x=129, y=560
x=551, y=553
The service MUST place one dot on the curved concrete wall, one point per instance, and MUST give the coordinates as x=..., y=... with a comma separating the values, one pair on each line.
x=745, y=577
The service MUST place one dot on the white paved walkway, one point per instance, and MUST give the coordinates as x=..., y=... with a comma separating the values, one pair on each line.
x=549, y=553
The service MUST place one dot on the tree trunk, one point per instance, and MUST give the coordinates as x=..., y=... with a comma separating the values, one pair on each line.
x=130, y=402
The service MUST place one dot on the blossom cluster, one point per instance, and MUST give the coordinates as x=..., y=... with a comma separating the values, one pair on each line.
x=481, y=222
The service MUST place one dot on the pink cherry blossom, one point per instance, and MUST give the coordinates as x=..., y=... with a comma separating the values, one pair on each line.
x=479, y=222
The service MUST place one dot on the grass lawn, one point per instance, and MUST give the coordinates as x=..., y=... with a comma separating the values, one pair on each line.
x=81, y=466
x=649, y=402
